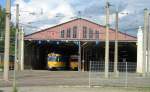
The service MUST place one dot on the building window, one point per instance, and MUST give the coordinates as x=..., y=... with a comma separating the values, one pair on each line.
x=68, y=33
x=90, y=33
x=75, y=32
x=84, y=32
x=97, y=34
x=62, y=33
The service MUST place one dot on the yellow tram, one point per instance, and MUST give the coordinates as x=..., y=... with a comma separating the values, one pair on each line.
x=56, y=61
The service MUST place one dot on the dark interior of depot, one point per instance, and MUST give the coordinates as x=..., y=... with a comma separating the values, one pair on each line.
x=36, y=52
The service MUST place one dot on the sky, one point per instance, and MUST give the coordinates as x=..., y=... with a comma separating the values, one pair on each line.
x=39, y=14
x=2, y=3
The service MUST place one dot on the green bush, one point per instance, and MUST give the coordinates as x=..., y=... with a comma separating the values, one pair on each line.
x=1, y=67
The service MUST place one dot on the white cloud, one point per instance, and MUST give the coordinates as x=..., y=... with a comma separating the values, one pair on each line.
x=69, y=8
x=45, y=26
x=50, y=9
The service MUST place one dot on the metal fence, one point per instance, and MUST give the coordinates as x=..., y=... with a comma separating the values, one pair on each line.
x=125, y=77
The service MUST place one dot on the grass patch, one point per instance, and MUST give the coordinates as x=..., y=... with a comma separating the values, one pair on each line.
x=15, y=89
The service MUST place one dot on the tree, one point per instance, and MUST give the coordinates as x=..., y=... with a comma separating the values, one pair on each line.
x=2, y=33
x=2, y=28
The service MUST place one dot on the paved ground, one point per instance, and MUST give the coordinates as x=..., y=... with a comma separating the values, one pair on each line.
x=46, y=78
x=75, y=89
x=71, y=78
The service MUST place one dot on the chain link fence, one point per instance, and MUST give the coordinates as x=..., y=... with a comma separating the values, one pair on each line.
x=125, y=76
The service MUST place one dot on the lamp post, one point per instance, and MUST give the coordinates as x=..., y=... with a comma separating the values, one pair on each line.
x=7, y=41
x=116, y=44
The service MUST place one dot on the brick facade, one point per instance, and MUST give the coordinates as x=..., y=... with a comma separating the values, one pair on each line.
x=78, y=29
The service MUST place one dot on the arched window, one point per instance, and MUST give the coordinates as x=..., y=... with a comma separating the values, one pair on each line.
x=97, y=34
x=84, y=32
x=75, y=32
x=62, y=33
x=90, y=33
x=68, y=32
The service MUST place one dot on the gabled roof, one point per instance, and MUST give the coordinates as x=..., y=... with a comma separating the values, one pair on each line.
x=33, y=36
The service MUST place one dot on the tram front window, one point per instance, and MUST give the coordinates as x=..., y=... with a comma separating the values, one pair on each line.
x=54, y=59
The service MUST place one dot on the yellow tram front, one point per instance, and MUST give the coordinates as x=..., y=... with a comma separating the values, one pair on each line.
x=56, y=61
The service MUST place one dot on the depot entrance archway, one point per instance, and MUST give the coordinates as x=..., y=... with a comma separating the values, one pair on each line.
x=36, y=52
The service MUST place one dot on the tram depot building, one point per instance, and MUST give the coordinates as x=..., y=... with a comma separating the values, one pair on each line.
x=77, y=37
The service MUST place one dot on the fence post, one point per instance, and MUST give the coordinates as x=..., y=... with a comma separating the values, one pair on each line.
x=126, y=80
x=90, y=74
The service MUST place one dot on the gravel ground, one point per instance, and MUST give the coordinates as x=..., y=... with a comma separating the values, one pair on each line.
x=74, y=89
x=29, y=78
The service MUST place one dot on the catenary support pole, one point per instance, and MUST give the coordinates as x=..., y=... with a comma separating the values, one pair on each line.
x=22, y=49
x=116, y=47
x=79, y=58
x=17, y=35
x=145, y=41
x=107, y=41
x=139, y=68
x=148, y=59
x=7, y=41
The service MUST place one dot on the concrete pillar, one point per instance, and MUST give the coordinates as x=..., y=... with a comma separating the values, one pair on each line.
x=148, y=61
x=145, y=32
x=22, y=49
x=148, y=44
x=149, y=53
x=7, y=41
x=79, y=57
x=140, y=50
